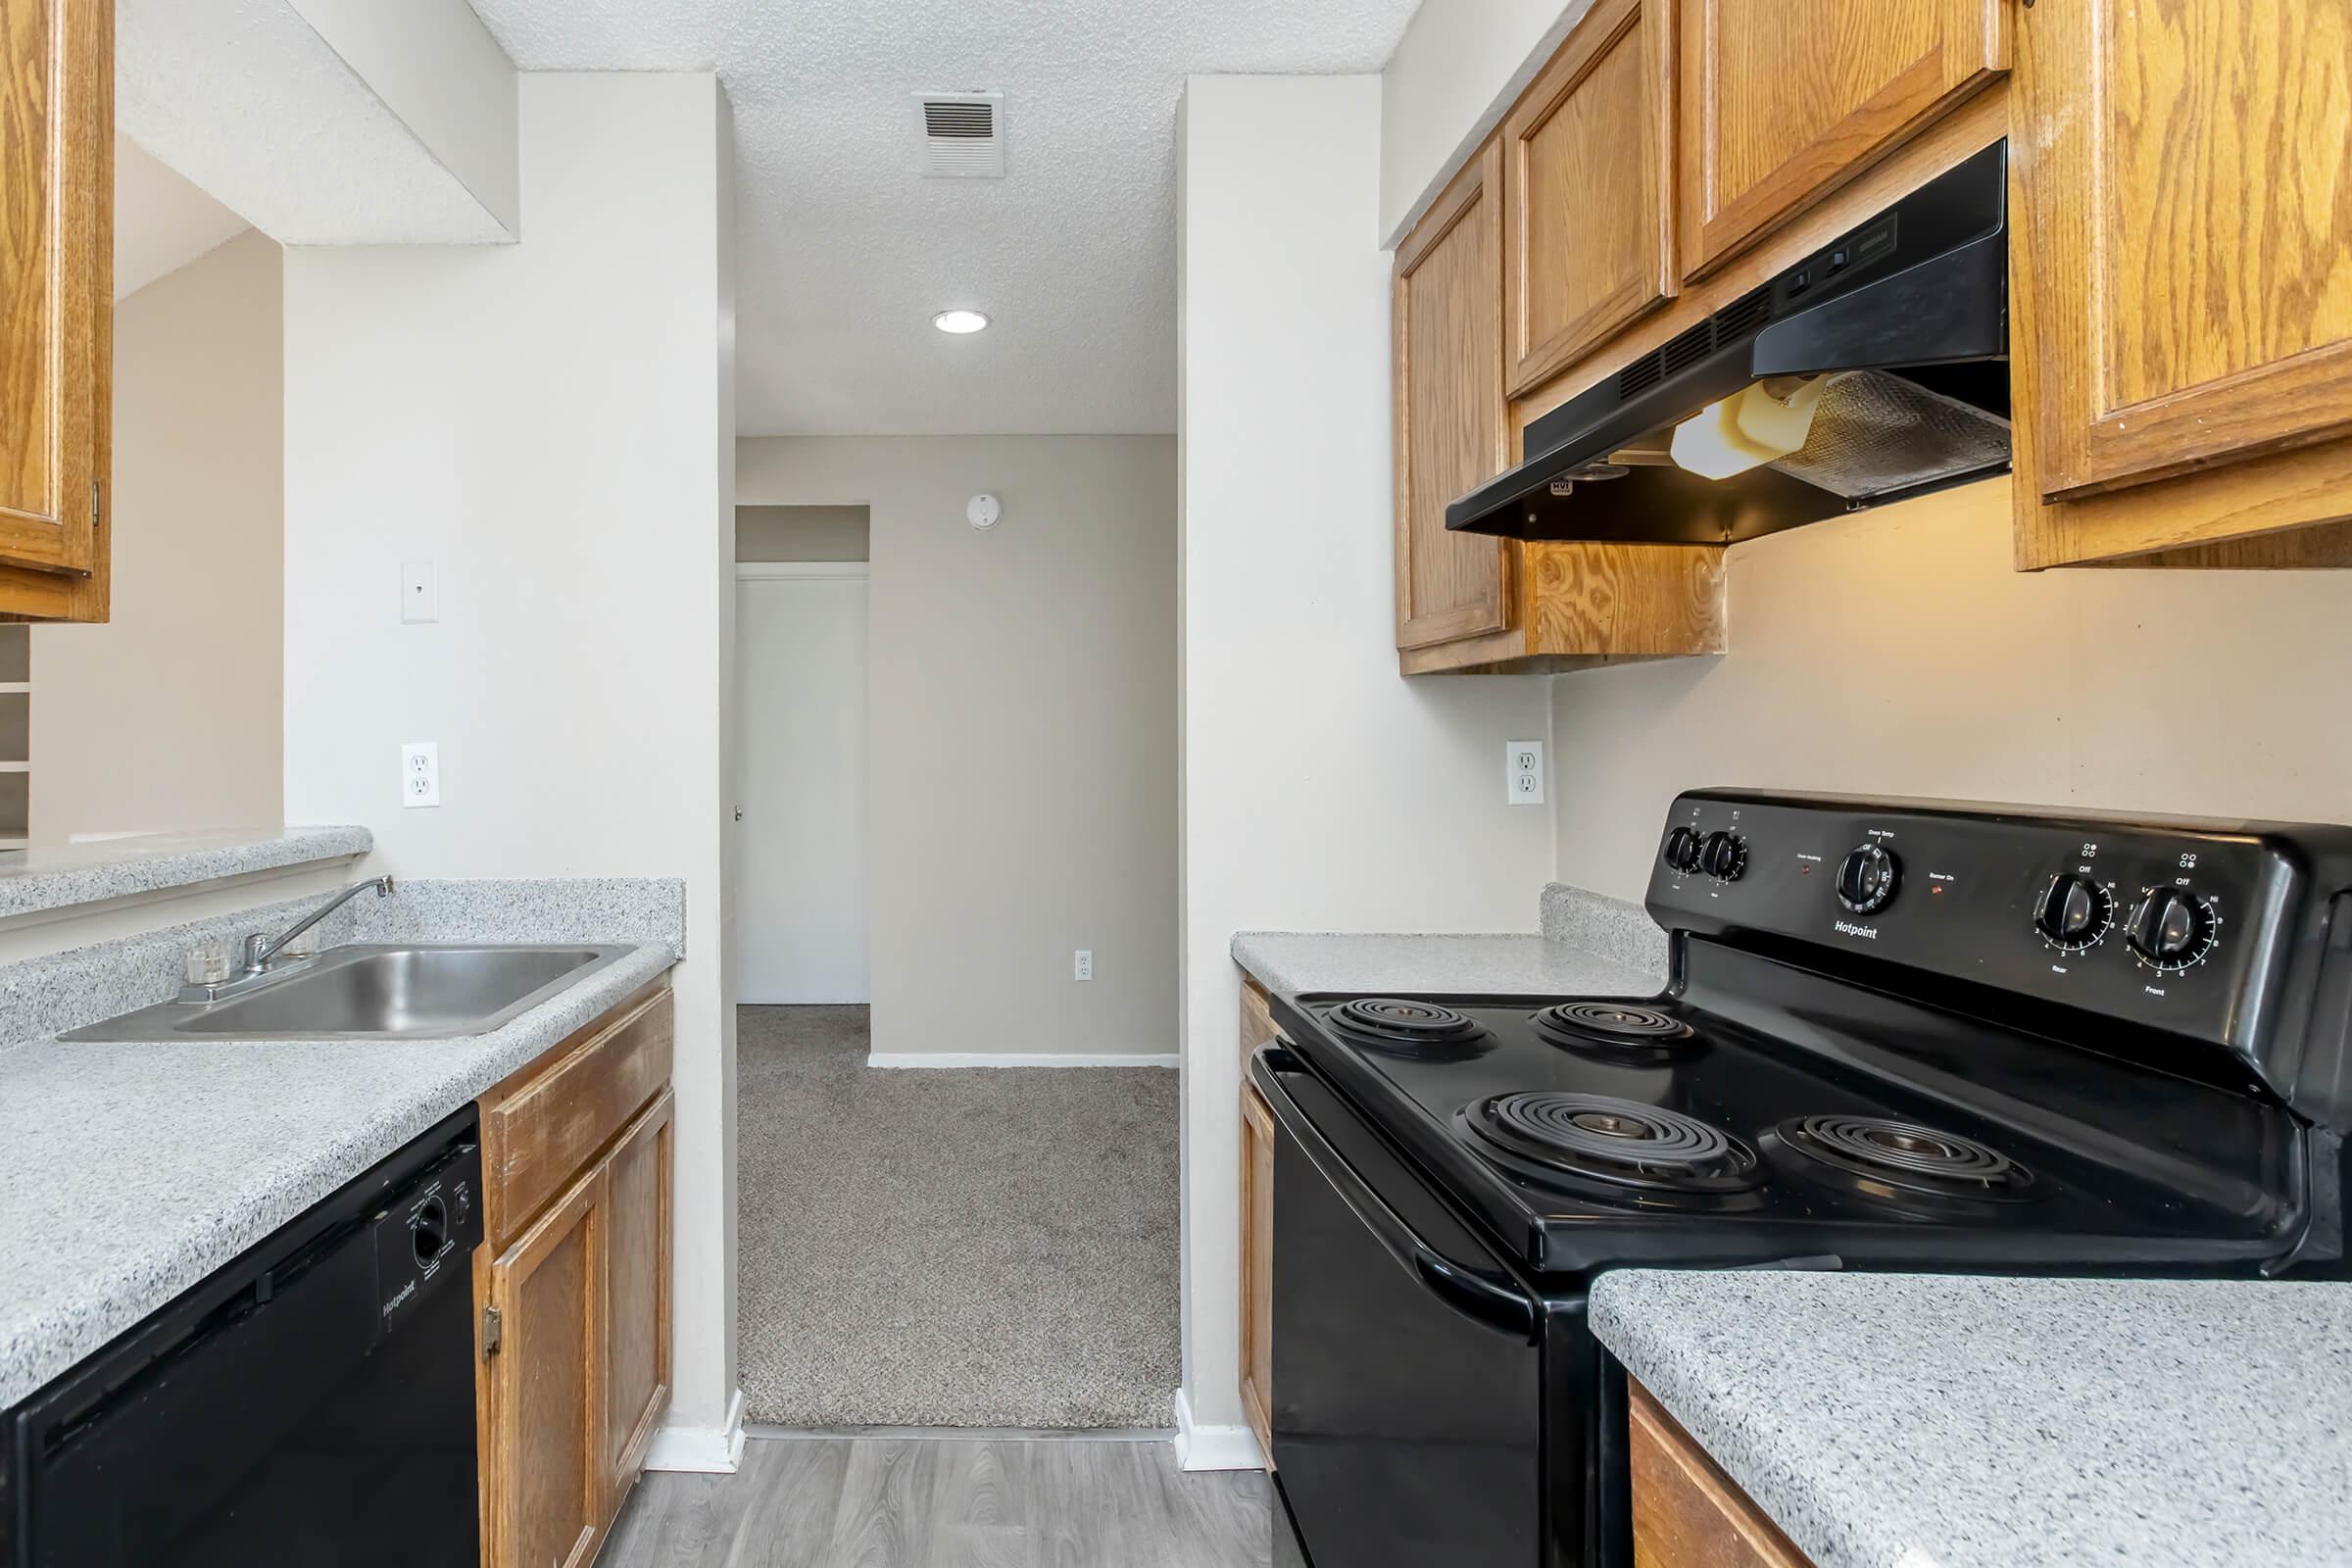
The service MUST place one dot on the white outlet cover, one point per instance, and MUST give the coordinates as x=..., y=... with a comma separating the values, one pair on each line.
x=1523, y=772
x=1084, y=967
x=419, y=774
x=419, y=598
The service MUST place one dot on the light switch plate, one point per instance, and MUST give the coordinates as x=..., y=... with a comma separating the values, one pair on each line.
x=419, y=599
x=1523, y=772
x=420, y=773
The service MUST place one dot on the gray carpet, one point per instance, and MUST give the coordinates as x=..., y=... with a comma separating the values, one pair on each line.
x=980, y=1247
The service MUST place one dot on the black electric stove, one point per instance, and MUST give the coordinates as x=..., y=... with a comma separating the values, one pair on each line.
x=1897, y=1035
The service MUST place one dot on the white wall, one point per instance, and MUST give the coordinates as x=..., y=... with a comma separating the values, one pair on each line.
x=2211, y=693
x=552, y=424
x=1447, y=83
x=1321, y=791
x=167, y=717
x=1022, y=740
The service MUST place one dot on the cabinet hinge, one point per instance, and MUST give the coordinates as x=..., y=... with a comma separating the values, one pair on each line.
x=97, y=511
x=492, y=1330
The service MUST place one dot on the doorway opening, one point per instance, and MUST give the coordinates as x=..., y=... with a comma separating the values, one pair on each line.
x=801, y=692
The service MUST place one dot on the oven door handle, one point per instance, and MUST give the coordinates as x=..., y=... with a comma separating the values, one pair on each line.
x=1483, y=1298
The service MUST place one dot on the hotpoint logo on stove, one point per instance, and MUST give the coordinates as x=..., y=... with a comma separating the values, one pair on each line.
x=1849, y=929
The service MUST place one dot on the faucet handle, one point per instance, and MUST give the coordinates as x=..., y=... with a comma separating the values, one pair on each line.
x=207, y=964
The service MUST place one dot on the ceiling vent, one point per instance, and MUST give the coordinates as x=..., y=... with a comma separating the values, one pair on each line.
x=964, y=135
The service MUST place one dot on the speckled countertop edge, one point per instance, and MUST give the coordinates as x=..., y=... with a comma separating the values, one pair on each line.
x=1591, y=945
x=34, y=881
x=1937, y=1421
x=129, y=1172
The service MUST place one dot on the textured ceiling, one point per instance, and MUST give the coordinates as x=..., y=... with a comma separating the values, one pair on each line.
x=217, y=89
x=846, y=251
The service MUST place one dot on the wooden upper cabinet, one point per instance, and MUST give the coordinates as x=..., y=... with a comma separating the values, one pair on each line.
x=2187, y=170
x=1781, y=102
x=1452, y=429
x=56, y=303
x=1588, y=161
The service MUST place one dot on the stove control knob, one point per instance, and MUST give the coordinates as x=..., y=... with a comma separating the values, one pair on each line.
x=2171, y=929
x=1867, y=881
x=1682, y=850
x=1723, y=856
x=2072, y=912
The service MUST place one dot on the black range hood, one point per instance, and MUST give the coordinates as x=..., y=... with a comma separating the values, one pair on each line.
x=1904, y=321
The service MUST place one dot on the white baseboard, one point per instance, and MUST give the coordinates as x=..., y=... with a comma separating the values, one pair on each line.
x=1012, y=1059
x=703, y=1451
x=1200, y=1447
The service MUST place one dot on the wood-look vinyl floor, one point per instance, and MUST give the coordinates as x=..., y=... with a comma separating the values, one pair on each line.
x=944, y=1502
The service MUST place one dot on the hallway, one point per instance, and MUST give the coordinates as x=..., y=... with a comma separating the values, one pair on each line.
x=970, y=1248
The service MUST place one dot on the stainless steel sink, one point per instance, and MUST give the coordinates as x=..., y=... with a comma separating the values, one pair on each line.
x=418, y=992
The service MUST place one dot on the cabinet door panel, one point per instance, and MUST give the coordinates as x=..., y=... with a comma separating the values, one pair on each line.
x=56, y=286
x=1783, y=101
x=1452, y=432
x=637, y=1300
x=547, y=1457
x=1686, y=1512
x=1588, y=155
x=1257, y=1267
x=2187, y=167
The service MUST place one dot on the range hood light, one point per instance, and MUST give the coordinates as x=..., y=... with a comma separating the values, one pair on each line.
x=1747, y=429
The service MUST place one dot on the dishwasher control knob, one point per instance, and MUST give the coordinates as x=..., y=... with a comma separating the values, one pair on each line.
x=428, y=1232
x=1867, y=881
x=1724, y=856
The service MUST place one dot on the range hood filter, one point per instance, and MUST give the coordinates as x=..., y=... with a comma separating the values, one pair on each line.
x=1875, y=434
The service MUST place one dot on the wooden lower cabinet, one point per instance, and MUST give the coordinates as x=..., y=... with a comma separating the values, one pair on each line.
x=1686, y=1512
x=543, y=1377
x=1257, y=1228
x=1257, y=1268
x=638, y=1198
x=574, y=1292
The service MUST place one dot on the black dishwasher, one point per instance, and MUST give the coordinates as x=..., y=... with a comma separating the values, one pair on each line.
x=313, y=1402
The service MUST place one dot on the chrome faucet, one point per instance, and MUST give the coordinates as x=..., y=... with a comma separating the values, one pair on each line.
x=259, y=950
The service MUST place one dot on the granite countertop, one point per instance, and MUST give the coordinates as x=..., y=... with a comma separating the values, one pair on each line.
x=1522, y=965
x=1590, y=944
x=128, y=1172
x=36, y=880
x=1917, y=1421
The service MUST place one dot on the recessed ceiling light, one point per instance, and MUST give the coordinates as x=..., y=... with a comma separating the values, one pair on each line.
x=960, y=321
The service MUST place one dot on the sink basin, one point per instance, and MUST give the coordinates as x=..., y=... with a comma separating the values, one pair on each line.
x=420, y=992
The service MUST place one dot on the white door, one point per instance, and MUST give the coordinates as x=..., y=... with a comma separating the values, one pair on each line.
x=800, y=870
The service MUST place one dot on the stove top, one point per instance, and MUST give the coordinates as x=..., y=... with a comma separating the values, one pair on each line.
x=1593, y=1131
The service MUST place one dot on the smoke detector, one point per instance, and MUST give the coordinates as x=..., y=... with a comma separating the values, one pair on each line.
x=963, y=134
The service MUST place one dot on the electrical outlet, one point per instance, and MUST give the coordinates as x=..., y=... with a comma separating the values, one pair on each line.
x=419, y=598
x=1523, y=772
x=1086, y=963
x=420, y=773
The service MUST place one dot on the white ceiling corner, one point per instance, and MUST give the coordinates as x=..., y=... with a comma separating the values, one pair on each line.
x=846, y=251
x=246, y=101
x=162, y=222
